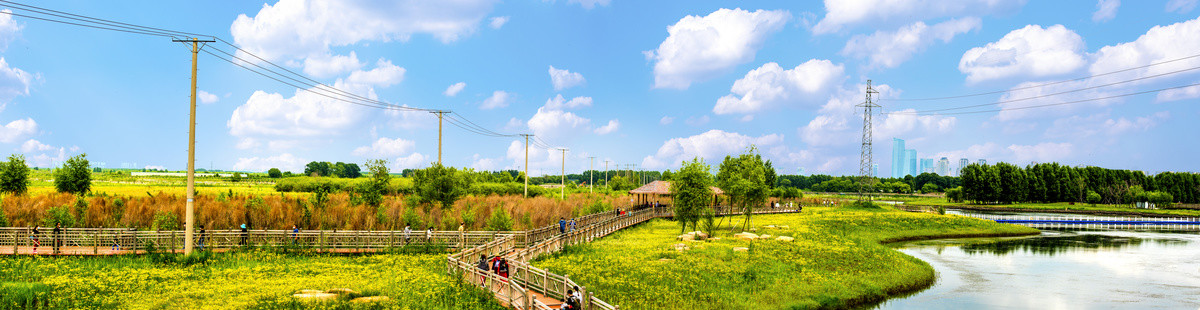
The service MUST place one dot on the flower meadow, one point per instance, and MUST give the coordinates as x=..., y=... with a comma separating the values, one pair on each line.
x=837, y=260
x=255, y=279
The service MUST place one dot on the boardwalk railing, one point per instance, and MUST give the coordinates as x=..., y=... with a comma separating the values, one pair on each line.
x=550, y=239
x=1093, y=222
x=95, y=241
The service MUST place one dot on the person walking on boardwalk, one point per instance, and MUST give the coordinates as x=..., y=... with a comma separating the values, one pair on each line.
x=428, y=234
x=483, y=266
x=57, y=242
x=244, y=234
x=295, y=234
x=572, y=224
x=407, y=231
x=562, y=225
x=33, y=235
x=200, y=239
x=462, y=237
x=502, y=268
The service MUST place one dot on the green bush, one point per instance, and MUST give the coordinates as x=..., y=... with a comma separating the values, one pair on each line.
x=274, y=173
x=1093, y=197
x=500, y=220
x=74, y=176
x=59, y=214
x=81, y=208
x=165, y=220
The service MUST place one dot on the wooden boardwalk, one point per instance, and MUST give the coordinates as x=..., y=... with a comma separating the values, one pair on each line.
x=527, y=287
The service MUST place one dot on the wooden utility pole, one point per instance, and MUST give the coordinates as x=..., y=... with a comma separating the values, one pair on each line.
x=190, y=217
x=591, y=172
x=606, y=173
x=439, y=115
x=526, y=163
x=563, y=192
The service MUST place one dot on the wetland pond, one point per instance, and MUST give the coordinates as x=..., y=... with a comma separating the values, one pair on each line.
x=1059, y=269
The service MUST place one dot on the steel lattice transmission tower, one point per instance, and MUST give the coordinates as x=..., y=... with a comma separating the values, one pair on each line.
x=864, y=166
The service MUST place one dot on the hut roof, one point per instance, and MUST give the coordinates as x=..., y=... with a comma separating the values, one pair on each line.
x=664, y=188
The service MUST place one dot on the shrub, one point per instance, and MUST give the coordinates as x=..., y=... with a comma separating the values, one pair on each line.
x=274, y=173
x=954, y=194
x=118, y=210
x=3, y=218
x=74, y=177
x=1093, y=197
x=441, y=184
x=59, y=214
x=25, y=295
x=81, y=207
x=413, y=219
x=500, y=220
x=165, y=220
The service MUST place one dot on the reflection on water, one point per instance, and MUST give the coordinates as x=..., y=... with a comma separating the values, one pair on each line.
x=1060, y=270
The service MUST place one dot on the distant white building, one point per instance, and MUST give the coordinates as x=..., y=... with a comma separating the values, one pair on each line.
x=943, y=167
x=962, y=163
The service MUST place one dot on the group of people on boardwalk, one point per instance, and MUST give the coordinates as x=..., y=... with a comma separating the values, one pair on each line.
x=496, y=264
x=574, y=299
x=55, y=243
x=565, y=226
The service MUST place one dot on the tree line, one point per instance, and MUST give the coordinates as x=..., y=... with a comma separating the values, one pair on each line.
x=1053, y=182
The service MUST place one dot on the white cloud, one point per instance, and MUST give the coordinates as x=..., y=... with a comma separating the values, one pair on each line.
x=589, y=4
x=385, y=147
x=8, y=29
x=454, y=89
x=699, y=48
x=828, y=130
x=293, y=29
x=666, y=120
x=13, y=82
x=413, y=161
x=712, y=145
x=206, y=97
x=1181, y=6
x=385, y=74
x=890, y=49
x=285, y=162
x=497, y=22
x=612, y=126
x=838, y=124
x=18, y=130
x=481, y=163
x=697, y=121
x=1106, y=10
x=1031, y=51
x=1100, y=125
x=1159, y=44
x=556, y=125
x=326, y=65
x=49, y=159
x=770, y=84
x=35, y=146
x=991, y=151
x=410, y=119
x=904, y=122
x=303, y=114
x=560, y=103
x=1177, y=94
x=499, y=99
x=1041, y=152
x=840, y=14
x=563, y=79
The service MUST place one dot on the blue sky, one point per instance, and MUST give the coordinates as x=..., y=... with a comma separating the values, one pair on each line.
x=650, y=83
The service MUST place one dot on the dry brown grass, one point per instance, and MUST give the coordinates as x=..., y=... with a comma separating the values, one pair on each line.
x=281, y=212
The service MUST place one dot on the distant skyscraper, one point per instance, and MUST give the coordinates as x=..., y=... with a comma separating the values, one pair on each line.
x=910, y=158
x=943, y=167
x=962, y=163
x=897, y=158
x=801, y=172
x=982, y=161
x=875, y=170
x=927, y=165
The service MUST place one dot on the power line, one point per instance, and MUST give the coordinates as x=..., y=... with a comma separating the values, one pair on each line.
x=1052, y=94
x=1045, y=84
x=1070, y=102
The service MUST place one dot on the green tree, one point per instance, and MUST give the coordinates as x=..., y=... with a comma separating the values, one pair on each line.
x=14, y=175
x=620, y=184
x=440, y=184
x=372, y=191
x=319, y=168
x=954, y=194
x=1093, y=197
x=929, y=188
x=500, y=220
x=744, y=179
x=274, y=173
x=691, y=192
x=344, y=170
x=74, y=176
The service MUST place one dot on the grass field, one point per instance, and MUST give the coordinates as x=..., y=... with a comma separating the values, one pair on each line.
x=837, y=260
x=253, y=279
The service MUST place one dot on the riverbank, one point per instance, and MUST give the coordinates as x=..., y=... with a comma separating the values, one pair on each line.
x=836, y=260
x=238, y=280
x=1057, y=207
